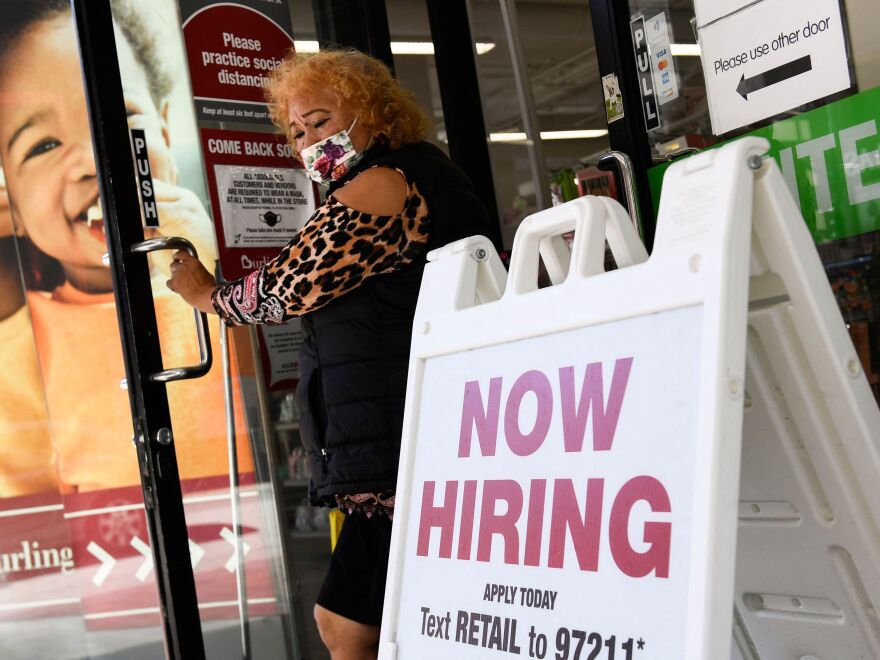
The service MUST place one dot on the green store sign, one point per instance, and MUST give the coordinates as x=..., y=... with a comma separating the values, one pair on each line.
x=830, y=159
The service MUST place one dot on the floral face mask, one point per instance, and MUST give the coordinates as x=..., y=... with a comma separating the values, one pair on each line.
x=330, y=159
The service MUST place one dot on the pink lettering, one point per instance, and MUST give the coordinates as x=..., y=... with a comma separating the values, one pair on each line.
x=485, y=419
x=657, y=534
x=574, y=417
x=524, y=444
x=437, y=516
x=502, y=524
x=584, y=531
x=569, y=525
x=466, y=526
x=535, y=525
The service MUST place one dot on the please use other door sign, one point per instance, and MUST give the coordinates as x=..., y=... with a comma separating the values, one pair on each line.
x=773, y=56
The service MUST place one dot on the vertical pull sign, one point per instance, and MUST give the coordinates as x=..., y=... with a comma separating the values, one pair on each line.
x=144, y=177
x=646, y=78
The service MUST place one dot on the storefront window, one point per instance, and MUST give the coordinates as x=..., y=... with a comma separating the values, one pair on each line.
x=413, y=52
x=838, y=193
x=74, y=548
x=560, y=62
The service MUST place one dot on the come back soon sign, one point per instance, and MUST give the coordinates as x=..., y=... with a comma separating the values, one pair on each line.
x=550, y=496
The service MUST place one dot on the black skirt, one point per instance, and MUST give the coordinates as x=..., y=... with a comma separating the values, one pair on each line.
x=355, y=584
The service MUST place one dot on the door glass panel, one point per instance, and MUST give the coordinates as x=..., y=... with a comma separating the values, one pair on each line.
x=559, y=54
x=839, y=200
x=54, y=562
x=75, y=556
x=683, y=113
x=412, y=49
x=514, y=185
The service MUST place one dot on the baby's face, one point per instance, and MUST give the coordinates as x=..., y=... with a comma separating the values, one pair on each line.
x=46, y=148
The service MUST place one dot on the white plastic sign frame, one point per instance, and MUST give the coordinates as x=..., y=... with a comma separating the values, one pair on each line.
x=808, y=543
x=570, y=458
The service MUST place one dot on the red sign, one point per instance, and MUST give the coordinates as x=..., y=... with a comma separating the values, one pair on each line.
x=231, y=49
x=261, y=199
x=268, y=152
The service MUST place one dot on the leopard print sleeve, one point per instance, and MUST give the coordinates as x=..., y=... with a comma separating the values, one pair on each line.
x=337, y=249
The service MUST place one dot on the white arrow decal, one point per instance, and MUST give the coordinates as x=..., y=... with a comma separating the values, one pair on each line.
x=229, y=536
x=147, y=565
x=195, y=553
x=107, y=563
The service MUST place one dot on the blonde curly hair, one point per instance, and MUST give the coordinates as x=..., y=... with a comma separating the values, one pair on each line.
x=359, y=83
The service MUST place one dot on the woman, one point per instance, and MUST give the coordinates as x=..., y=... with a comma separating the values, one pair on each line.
x=353, y=274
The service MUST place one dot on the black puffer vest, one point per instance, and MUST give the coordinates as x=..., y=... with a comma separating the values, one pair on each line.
x=355, y=356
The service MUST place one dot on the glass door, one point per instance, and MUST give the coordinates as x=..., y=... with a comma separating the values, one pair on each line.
x=822, y=134
x=146, y=378
x=827, y=149
x=116, y=503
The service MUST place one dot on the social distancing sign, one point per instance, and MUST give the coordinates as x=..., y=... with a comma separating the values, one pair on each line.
x=569, y=480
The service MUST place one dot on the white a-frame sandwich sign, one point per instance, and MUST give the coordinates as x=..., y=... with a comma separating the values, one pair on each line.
x=570, y=474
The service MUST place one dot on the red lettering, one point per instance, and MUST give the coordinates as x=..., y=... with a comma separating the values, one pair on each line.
x=437, y=516
x=503, y=524
x=657, y=534
x=466, y=525
x=566, y=514
x=524, y=444
x=569, y=525
x=485, y=419
x=574, y=418
x=535, y=525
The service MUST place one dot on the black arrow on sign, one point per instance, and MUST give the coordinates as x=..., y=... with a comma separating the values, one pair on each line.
x=775, y=75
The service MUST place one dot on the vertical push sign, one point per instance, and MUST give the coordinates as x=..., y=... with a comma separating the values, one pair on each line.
x=645, y=73
x=145, y=178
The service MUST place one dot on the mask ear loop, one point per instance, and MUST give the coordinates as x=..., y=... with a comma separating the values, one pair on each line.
x=369, y=143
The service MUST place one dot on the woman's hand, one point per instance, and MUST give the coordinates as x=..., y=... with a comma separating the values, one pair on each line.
x=192, y=281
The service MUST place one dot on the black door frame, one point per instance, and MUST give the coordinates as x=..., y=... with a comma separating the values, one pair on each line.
x=358, y=24
x=460, y=96
x=153, y=435
x=614, y=50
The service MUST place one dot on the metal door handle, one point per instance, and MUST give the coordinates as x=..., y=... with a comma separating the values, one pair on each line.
x=622, y=163
x=205, y=357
